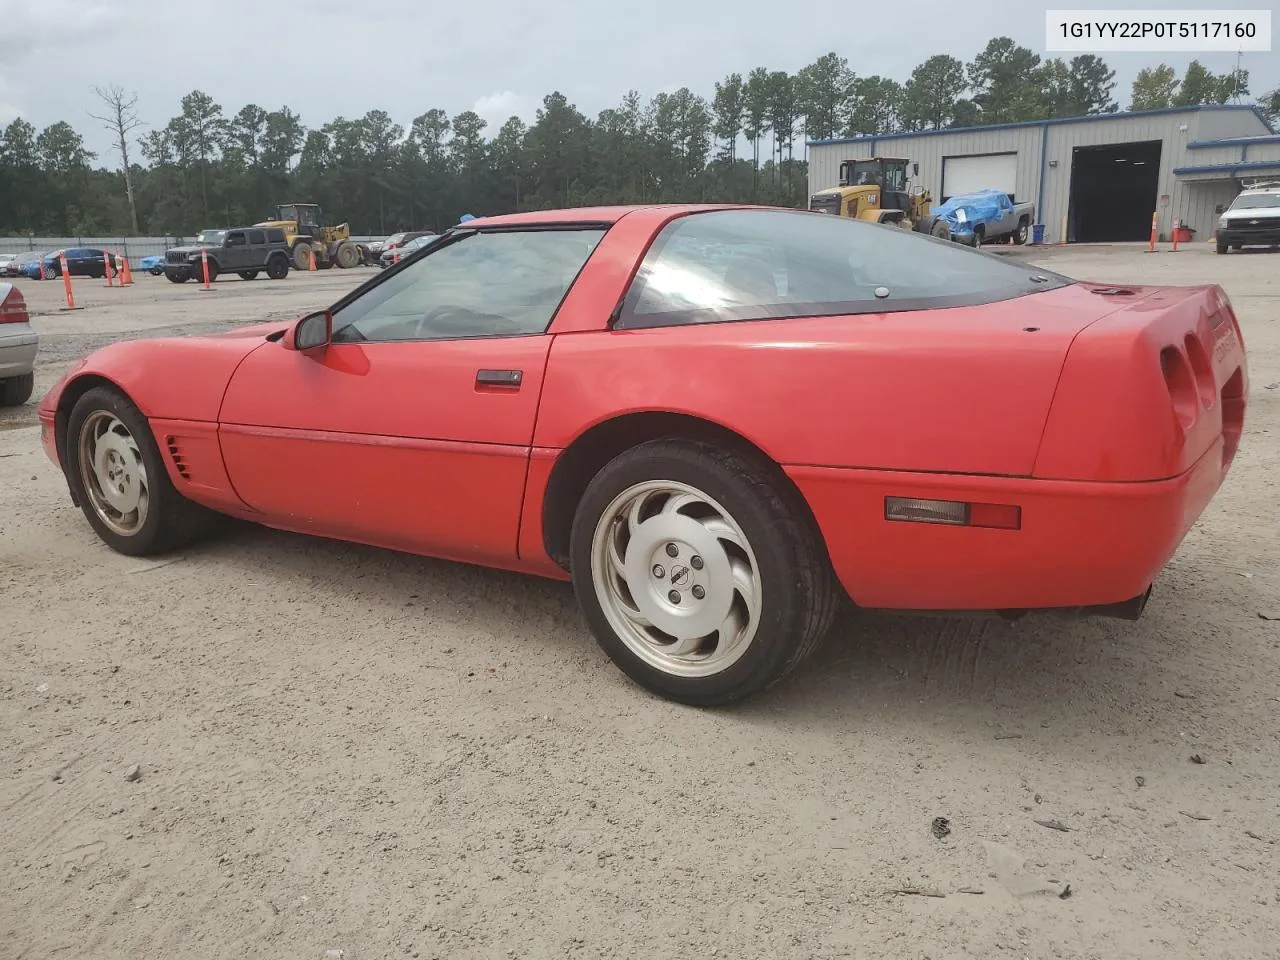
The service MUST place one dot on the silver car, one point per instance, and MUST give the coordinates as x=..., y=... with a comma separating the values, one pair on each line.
x=18, y=344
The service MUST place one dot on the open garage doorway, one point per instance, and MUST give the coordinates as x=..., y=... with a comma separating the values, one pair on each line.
x=1114, y=191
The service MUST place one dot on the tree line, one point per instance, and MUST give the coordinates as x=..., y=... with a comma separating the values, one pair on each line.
x=742, y=143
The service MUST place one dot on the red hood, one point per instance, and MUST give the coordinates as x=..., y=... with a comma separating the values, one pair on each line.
x=256, y=329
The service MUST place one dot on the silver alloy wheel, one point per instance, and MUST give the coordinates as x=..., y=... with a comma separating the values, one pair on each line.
x=676, y=578
x=114, y=476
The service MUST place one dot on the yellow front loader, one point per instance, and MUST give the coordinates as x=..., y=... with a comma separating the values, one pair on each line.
x=305, y=229
x=877, y=189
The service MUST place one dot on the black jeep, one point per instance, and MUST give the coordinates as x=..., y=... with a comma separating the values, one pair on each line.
x=243, y=250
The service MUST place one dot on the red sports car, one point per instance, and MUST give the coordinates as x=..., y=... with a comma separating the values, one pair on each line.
x=717, y=421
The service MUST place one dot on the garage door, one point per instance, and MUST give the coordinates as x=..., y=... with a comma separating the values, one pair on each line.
x=993, y=171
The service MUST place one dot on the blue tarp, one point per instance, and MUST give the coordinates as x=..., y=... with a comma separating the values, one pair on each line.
x=981, y=206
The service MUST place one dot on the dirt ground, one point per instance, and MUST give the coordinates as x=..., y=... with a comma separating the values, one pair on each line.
x=346, y=749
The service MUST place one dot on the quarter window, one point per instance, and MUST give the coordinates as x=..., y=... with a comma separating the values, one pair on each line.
x=483, y=284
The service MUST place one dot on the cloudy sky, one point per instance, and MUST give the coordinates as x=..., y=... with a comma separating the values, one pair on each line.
x=497, y=57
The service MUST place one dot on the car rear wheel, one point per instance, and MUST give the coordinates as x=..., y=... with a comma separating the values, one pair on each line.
x=277, y=267
x=699, y=573
x=179, y=277
x=16, y=391
x=248, y=274
x=116, y=472
x=1021, y=234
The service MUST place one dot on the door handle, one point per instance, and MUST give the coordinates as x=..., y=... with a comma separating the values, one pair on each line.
x=499, y=378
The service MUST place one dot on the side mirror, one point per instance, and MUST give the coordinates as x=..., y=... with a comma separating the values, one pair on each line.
x=309, y=332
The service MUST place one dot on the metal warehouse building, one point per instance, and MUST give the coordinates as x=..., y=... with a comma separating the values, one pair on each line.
x=1094, y=179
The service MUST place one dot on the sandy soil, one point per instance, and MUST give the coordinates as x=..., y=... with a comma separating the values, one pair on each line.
x=345, y=749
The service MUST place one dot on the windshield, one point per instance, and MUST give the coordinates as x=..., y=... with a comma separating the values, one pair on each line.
x=287, y=212
x=762, y=264
x=211, y=236
x=1255, y=201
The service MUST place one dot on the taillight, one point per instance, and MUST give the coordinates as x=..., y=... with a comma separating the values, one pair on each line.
x=13, y=308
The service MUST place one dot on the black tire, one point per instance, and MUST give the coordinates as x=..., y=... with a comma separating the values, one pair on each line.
x=16, y=391
x=277, y=267
x=1222, y=246
x=178, y=277
x=213, y=271
x=1022, y=234
x=347, y=256
x=172, y=521
x=979, y=232
x=248, y=274
x=940, y=229
x=799, y=592
x=156, y=272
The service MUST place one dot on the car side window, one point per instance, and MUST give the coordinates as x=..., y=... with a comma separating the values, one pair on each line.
x=257, y=237
x=497, y=283
x=235, y=239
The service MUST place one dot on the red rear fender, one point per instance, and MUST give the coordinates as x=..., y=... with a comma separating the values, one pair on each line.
x=1146, y=392
x=959, y=390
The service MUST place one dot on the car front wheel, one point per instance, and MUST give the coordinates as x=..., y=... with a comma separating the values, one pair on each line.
x=699, y=572
x=116, y=472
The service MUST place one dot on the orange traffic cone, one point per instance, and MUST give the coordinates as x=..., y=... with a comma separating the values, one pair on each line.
x=311, y=259
x=126, y=275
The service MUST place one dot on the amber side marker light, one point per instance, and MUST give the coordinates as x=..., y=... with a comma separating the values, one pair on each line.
x=956, y=513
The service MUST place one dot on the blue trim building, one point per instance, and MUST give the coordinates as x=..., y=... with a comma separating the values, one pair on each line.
x=1090, y=176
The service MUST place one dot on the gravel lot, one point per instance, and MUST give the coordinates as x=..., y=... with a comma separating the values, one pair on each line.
x=341, y=748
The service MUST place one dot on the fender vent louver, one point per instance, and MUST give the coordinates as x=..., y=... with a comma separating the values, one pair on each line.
x=1111, y=291
x=175, y=453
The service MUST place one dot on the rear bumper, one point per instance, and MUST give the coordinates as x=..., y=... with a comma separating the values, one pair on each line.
x=18, y=352
x=1081, y=544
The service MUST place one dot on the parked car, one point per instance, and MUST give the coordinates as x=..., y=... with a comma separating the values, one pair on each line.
x=246, y=251
x=389, y=257
x=24, y=265
x=986, y=216
x=397, y=240
x=81, y=262
x=5, y=260
x=153, y=265
x=1252, y=219
x=717, y=422
x=18, y=346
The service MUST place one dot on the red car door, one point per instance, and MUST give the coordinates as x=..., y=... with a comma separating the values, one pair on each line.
x=412, y=428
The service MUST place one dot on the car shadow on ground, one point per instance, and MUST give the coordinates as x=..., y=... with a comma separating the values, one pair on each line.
x=979, y=676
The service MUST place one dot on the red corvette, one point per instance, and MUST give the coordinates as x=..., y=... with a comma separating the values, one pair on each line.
x=718, y=421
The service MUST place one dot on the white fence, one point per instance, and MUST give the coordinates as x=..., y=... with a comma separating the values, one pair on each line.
x=131, y=247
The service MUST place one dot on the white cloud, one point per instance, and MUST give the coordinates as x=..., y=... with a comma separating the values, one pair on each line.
x=495, y=108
